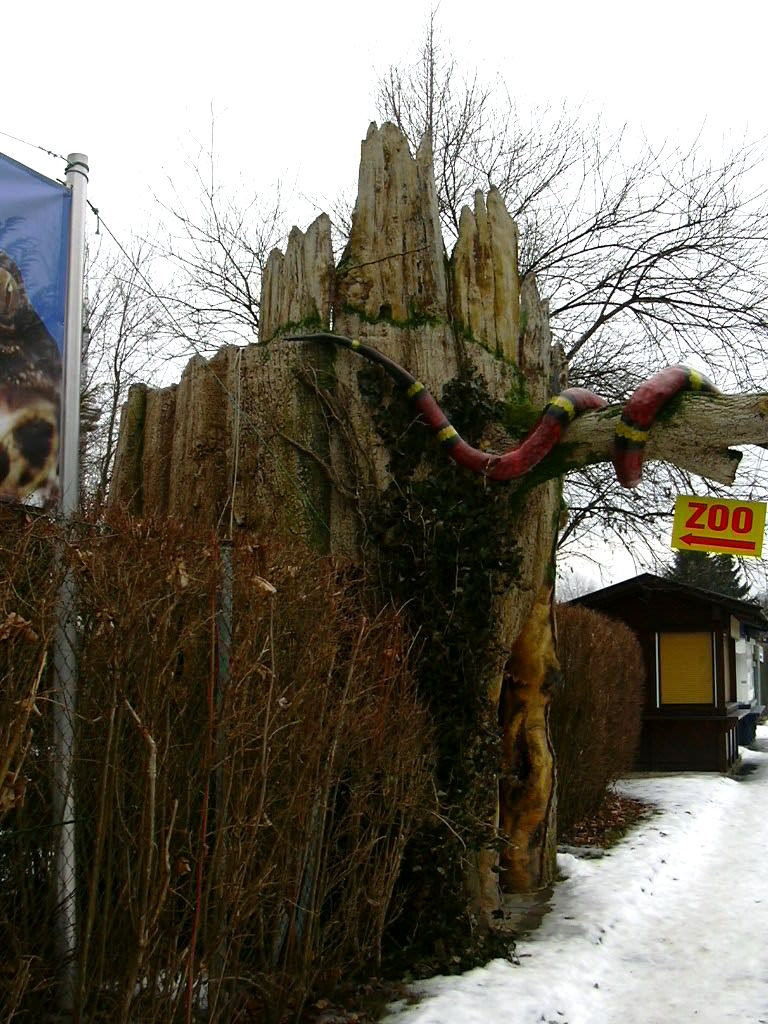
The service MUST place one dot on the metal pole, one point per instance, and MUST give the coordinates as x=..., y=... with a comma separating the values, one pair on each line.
x=69, y=453
x=65, y=639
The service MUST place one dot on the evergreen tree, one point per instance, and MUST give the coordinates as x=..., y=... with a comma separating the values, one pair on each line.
x=720, y=574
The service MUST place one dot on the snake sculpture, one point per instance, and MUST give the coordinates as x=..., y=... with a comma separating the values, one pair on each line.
x=632, y=431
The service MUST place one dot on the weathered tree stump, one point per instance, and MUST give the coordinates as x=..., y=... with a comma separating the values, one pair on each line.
x=279, y=437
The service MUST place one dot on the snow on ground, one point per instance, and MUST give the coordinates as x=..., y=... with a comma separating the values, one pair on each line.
x=670, y=927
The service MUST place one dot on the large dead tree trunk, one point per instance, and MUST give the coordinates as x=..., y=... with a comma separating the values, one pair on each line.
x=277, y=437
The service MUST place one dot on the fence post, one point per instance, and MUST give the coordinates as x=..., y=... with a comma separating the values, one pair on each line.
x=223, y=677
x=65, y=684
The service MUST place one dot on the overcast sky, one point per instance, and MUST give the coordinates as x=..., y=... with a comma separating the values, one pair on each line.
x=292, y=83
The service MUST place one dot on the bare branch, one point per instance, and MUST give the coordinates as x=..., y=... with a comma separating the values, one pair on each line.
x=697, y=439
x=649, y=255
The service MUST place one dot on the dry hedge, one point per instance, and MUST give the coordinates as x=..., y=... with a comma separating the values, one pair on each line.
x=596, y=713
x=242, y=803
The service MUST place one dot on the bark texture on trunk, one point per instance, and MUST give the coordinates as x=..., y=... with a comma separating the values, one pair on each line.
x=486, y=283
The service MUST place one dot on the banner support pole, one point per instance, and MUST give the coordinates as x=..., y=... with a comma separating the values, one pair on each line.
x=69, y=455
x=65, y=641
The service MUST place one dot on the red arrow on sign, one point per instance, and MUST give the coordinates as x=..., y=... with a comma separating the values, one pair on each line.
x=720, y=542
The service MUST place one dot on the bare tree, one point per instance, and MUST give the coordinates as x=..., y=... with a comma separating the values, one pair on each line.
x=478, y=137
x=648, y=255
x=645, y=253
x=216, y=249
x=125, y=343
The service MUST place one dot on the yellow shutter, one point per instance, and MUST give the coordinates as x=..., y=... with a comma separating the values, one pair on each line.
x=685, y=668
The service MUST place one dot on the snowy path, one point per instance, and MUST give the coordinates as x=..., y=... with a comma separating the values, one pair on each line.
x=670, y=928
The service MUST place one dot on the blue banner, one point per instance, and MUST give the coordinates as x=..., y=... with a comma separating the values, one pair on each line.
x=34, y=234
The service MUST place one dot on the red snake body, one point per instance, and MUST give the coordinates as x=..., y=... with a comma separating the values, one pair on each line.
x=637, y=417
x=640, y=411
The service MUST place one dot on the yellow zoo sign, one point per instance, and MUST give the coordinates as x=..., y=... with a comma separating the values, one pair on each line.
x=716, y=524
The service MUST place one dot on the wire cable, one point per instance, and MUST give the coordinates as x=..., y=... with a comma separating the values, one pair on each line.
x=33, y=145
